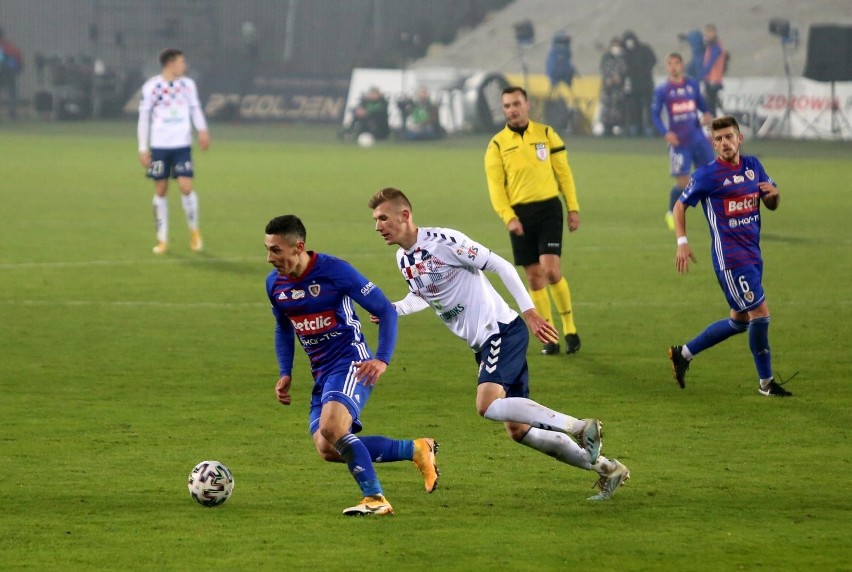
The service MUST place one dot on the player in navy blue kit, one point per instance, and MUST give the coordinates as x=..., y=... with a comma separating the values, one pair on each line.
x=312, y=297
x=681, y=97
x=730, y=190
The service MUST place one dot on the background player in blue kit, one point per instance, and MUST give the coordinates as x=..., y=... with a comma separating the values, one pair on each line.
x=680, y=96
x=312, y=297
x=730, y=190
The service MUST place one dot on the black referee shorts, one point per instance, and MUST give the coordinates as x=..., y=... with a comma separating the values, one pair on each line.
x=542, y=222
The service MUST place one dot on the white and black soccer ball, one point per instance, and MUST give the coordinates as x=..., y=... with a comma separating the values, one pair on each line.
x=366, y=139
x=210, y=483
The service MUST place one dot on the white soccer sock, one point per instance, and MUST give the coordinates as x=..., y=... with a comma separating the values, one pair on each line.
x=190, y=207
x=523, y=410
x=557, y=445
x=161, y=218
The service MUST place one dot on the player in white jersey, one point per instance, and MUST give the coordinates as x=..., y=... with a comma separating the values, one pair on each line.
x=444, y=271
x=168, y=110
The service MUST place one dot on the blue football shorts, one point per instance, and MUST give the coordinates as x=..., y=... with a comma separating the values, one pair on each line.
x=172, y=163
x=503, y=359
x=742, y=286
x=695, y=153
x=339, y=385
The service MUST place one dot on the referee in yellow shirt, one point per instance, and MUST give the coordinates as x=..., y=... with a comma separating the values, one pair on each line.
x=527, y=170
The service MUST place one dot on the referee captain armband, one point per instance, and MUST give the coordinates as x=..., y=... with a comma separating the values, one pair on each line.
x=681, y=240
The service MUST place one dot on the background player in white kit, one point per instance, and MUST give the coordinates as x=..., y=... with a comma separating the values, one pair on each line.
x=443, y=269
x=168, y=110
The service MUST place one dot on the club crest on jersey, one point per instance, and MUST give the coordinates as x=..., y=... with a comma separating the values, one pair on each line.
x=314, y=289
x=541, y=151
x=749, y=174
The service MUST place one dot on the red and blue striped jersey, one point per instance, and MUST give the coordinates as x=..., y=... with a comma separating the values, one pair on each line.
x=317, y=307
x=683, y=104
x=730, y=197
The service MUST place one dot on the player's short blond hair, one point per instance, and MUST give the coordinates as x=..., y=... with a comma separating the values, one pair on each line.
x=389, y=195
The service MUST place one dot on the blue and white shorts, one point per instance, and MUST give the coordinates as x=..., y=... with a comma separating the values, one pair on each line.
x=172, y=163
x=742, y=286
x=697, y=152
x=339, y=385
x=503, y=359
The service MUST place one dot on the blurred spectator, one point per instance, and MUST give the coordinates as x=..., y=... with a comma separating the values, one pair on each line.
x=639, y=85
x=420, y=117
x=559, y=66
x=695, y=39
x=714, y=67
x=371, y=116
x=11, y=65
x=613, y=73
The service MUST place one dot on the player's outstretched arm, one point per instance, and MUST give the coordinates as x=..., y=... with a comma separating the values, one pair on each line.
x=510, y=278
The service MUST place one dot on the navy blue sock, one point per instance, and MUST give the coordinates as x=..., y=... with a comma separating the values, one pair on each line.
x=674, y=194
x=357, y=458
x=715, y=333
x=387, y=450
x=758, y=342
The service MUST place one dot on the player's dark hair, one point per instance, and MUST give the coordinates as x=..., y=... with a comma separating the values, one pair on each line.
x=287, y=225
x=724, y=122
x=389, y=194
x=675, y=55
x=514, y=89
x=168, y=55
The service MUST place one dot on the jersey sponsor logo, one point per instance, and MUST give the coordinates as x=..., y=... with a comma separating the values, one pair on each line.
x=314, y=289
x=311, y=342
x=472, y=251
x=310, y=324
x=452, y=312
x=742, y=204
x=541, y=151
x=739, y=179
x=367, y=288
x=297, y=294
x=737, y=222
x=685, y=106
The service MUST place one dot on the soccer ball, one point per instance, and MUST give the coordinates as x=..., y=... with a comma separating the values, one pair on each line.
x=210, y=483
x=366, y=139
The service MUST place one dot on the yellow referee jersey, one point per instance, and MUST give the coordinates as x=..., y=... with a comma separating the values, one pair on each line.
x=528, y=168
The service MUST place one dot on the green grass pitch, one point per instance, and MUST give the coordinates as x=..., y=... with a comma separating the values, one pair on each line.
x=121, y=370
